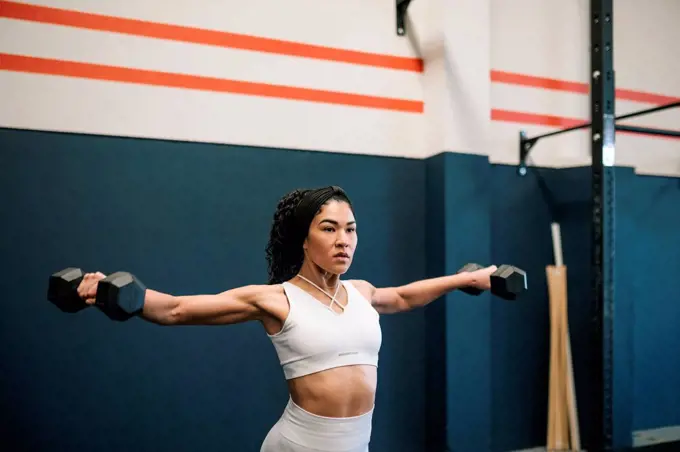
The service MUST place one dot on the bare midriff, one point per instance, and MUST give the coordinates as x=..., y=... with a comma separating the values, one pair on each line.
x=340, y=392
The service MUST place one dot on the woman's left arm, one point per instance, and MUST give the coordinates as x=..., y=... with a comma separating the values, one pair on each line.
x=389, y=300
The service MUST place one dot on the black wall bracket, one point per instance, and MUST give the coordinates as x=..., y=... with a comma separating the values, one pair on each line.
x=526, y=143
x=401, y=8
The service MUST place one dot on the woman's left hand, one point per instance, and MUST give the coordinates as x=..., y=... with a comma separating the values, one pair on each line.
x=481, y=279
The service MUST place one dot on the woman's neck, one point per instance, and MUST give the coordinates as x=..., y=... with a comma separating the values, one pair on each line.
x=326, y=281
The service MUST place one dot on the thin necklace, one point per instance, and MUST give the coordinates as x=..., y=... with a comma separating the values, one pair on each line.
x=332, y=297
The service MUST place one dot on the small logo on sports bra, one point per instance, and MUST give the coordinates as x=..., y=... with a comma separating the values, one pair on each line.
x=347, y=353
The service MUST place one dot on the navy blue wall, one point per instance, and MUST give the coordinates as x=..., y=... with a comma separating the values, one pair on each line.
x=523, y=210
x=646, y=362
x=649, y=254
x=488, y=386
x=520, y=223
x=486, y=213
x=194, y=218
x=459, y=356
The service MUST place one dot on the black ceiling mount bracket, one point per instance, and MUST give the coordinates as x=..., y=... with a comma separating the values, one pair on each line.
x=526, y=143
x=401, y=8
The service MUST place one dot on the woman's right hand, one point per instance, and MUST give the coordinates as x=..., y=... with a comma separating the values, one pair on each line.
x=87, y=290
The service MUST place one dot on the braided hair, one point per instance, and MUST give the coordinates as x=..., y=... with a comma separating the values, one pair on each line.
x=293, y=215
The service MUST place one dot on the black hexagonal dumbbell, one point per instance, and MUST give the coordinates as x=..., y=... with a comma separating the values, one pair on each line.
x=120, y=296
x=62, y=290
x=507, y=282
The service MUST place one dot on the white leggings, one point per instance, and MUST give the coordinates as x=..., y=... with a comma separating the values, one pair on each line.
x=301, y=431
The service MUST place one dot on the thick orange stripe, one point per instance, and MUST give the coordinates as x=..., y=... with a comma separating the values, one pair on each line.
x=193, y=35
x=575, y=87
x=649, y=98
x=47, y=66
x=548, y=120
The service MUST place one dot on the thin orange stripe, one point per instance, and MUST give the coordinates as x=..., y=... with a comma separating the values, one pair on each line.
x=533, y=118
x=549, y=120
x=148, y=29
x=538, y=82
x=47, y=66
x=511, y=78
x=649, y=98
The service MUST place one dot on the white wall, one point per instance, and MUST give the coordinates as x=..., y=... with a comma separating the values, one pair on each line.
x=491, y=68
x=551, y=39
x=79, y=104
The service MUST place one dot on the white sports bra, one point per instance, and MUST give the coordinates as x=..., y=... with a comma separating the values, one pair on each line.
x=315, y=338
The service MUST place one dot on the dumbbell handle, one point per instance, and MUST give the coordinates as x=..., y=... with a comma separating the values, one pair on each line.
x=474, y=291
x=497, y=278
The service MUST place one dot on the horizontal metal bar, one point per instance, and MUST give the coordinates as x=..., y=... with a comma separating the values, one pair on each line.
x=585, y=125
x=648, y=131
x=648, y=111
x=557, y=132
x=527, y=143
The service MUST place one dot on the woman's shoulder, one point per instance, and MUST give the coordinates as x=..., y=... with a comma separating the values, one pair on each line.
x=267, y=292
x=362, y=286
x=271, y=299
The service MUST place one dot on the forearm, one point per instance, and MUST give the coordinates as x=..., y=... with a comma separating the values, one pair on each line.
x=421, y=293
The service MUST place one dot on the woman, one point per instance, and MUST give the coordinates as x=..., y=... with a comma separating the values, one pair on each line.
x=326, y=331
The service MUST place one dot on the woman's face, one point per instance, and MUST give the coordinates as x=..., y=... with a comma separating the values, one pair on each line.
x=332, y=238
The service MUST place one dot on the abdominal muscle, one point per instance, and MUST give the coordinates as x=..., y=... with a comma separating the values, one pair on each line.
x=340, y=392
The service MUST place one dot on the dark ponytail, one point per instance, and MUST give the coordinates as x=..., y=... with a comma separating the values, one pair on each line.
x=284, y=256
x=292, y=218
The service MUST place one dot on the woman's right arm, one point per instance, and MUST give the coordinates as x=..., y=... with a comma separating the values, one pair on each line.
x=237, y=305
x=232, y=306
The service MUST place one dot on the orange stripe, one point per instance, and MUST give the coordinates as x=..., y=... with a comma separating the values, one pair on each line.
x=47, y=66
x=533, y=118
x=575, y=87
x=649, y=98
x=549, y=120
x=538, y=82
x=193, y=35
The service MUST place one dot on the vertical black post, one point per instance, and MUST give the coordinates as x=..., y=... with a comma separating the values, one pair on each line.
x=603, y=150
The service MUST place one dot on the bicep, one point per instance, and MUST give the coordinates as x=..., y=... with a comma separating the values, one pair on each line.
x=229, y=307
